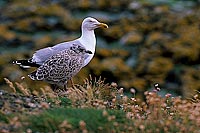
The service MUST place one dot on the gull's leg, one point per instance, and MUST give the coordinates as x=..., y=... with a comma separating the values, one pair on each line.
x=72, y=82
x=54, y=87
x=65, y=87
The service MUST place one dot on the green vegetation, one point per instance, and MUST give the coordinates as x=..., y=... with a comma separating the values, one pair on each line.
x=3, y=118
x=51, y=120
x=97, y=107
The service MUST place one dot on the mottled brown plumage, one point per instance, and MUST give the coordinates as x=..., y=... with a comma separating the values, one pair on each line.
x=61, y=67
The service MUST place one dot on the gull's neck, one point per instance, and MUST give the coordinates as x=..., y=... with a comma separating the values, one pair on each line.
x=88, y=39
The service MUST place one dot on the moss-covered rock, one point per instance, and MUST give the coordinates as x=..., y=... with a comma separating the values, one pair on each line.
x=190, y=81
x=145, y=42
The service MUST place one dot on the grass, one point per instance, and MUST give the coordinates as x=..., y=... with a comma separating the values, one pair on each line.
x=3, y=118
x=99, y=107
x=51, y=120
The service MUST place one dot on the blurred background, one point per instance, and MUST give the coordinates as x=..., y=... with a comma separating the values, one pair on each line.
x=147, y=42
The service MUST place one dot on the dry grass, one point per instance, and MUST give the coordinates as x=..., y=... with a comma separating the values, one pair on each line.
x=154, y=114
x=10, y=84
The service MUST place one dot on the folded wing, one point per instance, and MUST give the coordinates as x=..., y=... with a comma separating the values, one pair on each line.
x=40, y=56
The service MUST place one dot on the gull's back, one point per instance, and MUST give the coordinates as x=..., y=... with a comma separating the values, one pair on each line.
x=62, y=66
x=40, y=56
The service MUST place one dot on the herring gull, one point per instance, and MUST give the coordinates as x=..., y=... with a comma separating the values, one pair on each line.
x=62, y=66
x=61, y=62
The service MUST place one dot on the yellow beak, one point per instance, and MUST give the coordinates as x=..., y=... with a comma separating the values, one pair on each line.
x=103, y=25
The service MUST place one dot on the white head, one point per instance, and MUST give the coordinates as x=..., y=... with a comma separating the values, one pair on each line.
x=90, y=23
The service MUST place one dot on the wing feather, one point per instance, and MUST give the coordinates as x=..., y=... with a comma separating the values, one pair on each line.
x=40, y=56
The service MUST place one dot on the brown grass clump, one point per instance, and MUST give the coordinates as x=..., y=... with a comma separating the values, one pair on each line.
x=94, y=93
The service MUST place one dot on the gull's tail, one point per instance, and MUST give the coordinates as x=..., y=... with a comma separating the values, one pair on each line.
x=33, y=76
x=25, y=63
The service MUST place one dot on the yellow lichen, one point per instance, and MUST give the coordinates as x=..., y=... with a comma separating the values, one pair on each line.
x=6, y=34
x=132, y=38
x=159, y=65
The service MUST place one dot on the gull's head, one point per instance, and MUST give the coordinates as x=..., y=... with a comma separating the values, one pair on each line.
x=90, y=23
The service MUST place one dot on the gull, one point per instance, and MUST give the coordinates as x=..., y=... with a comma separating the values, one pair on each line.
x=85, y=45
x=61, y=67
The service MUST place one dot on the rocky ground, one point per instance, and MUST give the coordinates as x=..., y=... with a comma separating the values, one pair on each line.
x=96, y=107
